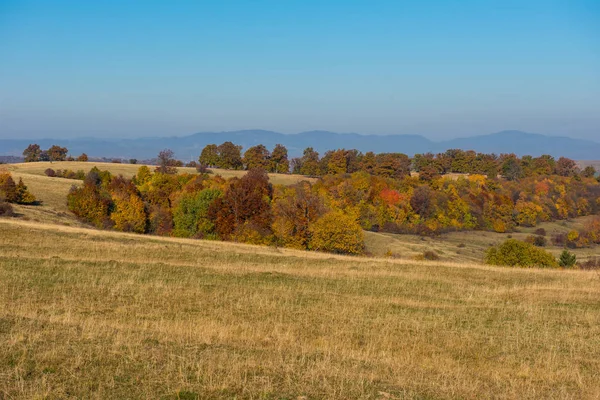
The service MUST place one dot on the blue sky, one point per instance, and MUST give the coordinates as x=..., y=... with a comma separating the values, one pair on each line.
x=162, y=68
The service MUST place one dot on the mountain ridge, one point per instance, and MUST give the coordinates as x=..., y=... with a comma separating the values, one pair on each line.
x=189, y=147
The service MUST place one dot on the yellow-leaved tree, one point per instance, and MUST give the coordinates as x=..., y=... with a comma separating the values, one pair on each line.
x=337, y=232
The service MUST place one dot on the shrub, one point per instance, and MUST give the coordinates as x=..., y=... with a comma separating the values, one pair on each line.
x=536, y=240
x=430, y=255
x=6, y=209
x=591, y=263
x=515, y=253
x=567, y=259
x=336, y=232
x=540, y=232
x=50, y=172
x=559, y=239
x=202, y=169
x=133, y=161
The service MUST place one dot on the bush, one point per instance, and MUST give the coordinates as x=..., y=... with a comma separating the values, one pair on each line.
x=514, y=253
x=430, y=255
x=540, y=231
x=337, y=232
x=6, y=209
x=567, y=259
x=591, y=263
x=50, y=172
x=202, y=169
x=133, y=161
x=559, y=239
x=538, y=241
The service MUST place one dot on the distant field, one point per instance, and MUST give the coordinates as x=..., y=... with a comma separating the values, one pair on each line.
x=470, y=246
x=128, y=170
x=97, y=314
x=594, y=163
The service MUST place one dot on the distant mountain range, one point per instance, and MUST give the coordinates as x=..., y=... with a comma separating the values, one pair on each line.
x=189, y=147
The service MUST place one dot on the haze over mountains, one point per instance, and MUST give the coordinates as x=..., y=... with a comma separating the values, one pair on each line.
x=189, y=147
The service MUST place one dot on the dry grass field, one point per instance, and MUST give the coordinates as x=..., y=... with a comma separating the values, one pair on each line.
x=128, y=170
x=93, y=314
x=98, y=314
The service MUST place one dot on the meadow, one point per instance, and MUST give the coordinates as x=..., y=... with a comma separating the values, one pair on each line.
x=87, y=313
x=96, y=314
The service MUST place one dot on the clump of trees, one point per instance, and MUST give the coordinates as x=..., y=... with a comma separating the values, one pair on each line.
x=34, y=153
x=67, y=173
x=11, y=192
x=331, y=214
x=229, y=156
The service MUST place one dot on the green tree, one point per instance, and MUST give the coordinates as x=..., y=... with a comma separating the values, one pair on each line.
x=209, y=156
x=310, y=162
x=567, y=259
x=190, y=214
x=279, y=162
x=230, y=156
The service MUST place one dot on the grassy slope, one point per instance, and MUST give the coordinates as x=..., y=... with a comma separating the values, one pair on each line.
x=96, y=314
x=92, y=314
x=128, y=170
x=470, y=246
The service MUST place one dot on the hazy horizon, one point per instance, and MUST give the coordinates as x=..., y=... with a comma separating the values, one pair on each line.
x=124, y=70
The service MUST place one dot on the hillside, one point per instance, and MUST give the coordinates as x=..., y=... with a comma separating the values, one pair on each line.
x=98, y=314
x=122, y=315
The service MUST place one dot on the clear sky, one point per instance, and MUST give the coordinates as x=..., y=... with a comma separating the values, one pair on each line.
x=442, y=69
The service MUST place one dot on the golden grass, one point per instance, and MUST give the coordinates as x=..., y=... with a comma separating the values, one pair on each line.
x=470, y=246
x=128, y=170
x=96, y=314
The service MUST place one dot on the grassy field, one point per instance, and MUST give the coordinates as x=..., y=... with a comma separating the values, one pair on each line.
x=128, y=170
x=94, y=314
x=470, y=246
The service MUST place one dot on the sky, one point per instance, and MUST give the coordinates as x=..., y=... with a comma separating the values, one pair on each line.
x=441, y=69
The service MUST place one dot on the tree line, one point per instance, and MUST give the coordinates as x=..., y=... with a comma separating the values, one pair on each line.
x=329, y=214
x=390, y=165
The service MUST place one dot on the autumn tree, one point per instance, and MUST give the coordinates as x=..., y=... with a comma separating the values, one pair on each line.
x=566, y=167
x=257, y=157
x=310, y=162
x=279, y=162
x=392, y=165
x=295, y=208
x=32, y=153
x=166, y=162
x=128, y=212
x=511, y=167
x=334, y=162
x=244, y=211
x=57, y=153
x=368, y=162
x=83, y=157
x=337, y=232
x=588, y=172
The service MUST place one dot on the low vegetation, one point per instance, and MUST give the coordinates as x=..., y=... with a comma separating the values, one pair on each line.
x=99, y=314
